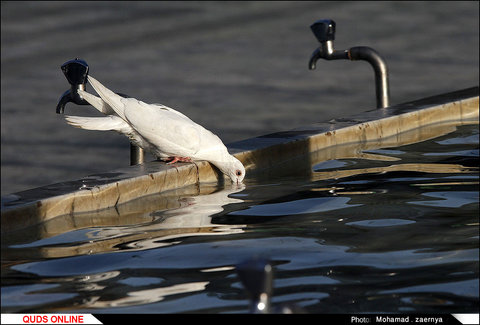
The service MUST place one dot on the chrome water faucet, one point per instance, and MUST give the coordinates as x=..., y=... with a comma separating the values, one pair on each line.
x=324, y=31
x=76, y=72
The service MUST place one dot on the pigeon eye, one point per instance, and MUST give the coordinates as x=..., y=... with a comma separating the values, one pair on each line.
x=239, y=172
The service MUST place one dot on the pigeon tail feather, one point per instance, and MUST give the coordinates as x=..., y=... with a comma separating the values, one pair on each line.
x=96, y=102
x=112, y=99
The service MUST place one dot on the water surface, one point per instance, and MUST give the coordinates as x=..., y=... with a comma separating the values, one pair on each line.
x=399, y=236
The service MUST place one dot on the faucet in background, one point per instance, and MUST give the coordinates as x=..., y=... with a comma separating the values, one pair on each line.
x=324, y=31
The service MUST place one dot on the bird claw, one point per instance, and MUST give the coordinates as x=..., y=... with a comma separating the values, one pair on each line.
x=172, y=160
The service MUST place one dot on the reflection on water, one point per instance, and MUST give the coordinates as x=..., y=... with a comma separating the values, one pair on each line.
x=389, y=228
x=311, y=205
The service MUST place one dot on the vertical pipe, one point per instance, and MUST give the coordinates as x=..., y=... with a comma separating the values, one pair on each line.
x=136, y=155
x=381, y=72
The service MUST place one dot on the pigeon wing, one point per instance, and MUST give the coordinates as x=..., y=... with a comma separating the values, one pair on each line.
x=167, y=130
x=106, y=123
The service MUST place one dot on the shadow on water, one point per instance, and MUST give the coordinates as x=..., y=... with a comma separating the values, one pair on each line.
x=390, y=225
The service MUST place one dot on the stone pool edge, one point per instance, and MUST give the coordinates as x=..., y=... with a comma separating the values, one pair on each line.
x=100, y=191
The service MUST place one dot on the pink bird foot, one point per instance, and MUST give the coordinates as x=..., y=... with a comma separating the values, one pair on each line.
x=172, y=160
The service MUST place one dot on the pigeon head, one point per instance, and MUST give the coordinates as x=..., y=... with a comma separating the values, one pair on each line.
x=233, y=168
x=237, y=172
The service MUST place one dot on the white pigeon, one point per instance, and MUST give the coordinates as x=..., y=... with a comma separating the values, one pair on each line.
x=166, y=133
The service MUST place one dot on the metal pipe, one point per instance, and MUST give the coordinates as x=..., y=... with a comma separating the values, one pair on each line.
x=137, y=155
x=324, y=30
x=76, y=72
x=379, y=67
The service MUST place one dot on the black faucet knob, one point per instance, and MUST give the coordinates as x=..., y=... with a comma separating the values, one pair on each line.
x=76, y=71
x=324, y=30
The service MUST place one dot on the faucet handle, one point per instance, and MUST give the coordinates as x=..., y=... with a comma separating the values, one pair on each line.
x=324, y=30
x=76, y=71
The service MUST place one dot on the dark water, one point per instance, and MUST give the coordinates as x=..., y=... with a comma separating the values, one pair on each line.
x=397, y=236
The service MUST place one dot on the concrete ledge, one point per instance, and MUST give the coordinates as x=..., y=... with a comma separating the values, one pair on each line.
x=292, y=151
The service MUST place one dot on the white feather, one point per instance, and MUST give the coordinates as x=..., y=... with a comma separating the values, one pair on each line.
x=97, y=102
x=106, y=123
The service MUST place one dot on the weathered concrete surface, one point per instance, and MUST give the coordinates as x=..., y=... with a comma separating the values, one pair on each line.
x=286, y=152
x=238, y=68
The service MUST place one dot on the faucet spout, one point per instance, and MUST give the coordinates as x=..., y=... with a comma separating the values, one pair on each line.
x=64, y=99
x=327, y=52
x=312, y=64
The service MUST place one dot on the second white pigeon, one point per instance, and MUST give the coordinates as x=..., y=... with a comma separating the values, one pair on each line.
x=165, y=132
